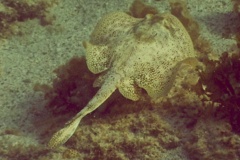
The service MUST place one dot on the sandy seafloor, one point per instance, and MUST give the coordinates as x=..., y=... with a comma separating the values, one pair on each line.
x=31, y=58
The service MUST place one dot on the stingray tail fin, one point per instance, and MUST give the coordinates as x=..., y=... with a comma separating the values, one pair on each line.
x=65, y=133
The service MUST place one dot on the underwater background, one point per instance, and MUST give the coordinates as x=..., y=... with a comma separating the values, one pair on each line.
x=44, y=81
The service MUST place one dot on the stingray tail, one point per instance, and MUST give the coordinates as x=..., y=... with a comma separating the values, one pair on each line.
x=65, y=133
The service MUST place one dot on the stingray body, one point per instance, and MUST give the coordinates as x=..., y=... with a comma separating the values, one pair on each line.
x=131, y=54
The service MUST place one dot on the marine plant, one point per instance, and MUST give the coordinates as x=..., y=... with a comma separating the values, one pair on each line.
x=221, y=81
x=12, y=12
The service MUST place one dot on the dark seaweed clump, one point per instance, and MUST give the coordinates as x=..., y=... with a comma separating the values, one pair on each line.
x=14, y=11
x=222, y=82
x=71, y=90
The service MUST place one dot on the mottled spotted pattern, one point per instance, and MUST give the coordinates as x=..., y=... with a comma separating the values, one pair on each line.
x=131, y=54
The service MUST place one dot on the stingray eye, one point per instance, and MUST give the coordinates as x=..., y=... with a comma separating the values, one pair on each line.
x=156, y=19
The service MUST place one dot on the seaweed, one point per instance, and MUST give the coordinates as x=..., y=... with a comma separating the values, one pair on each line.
x=14, y=11
x=222, y=85
x=72, y=88
x=180, y=10
x=139, y=10
x=236, y=6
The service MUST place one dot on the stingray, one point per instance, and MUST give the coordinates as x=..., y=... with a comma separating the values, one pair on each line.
x=131, y=54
